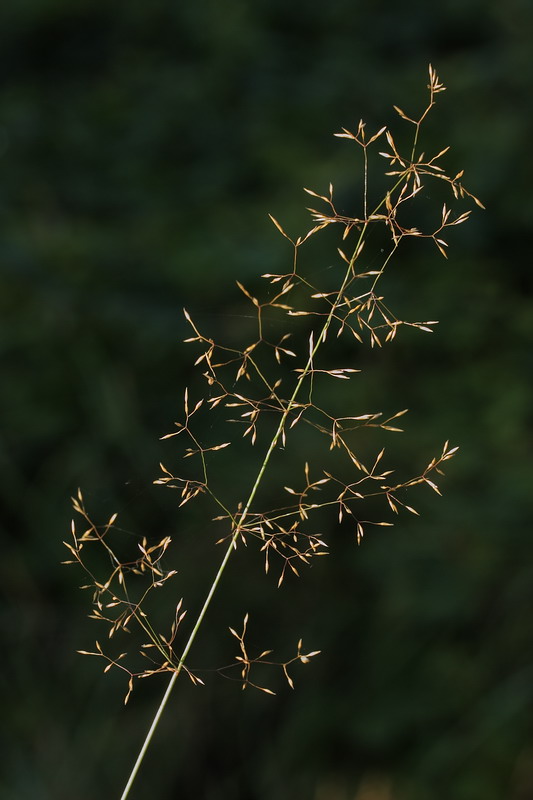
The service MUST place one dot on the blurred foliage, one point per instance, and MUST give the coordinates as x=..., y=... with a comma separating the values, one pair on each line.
x=142, y=145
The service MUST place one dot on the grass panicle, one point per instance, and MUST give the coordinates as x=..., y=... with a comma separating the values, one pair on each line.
x=272, y=387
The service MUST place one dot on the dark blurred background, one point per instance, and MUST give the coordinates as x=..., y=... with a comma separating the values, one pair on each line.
x=141, y=146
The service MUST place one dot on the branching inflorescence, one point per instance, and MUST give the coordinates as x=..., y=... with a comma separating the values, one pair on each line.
x=242, y=382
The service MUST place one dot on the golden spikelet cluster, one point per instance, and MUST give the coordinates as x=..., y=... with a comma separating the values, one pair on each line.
x=274, y=383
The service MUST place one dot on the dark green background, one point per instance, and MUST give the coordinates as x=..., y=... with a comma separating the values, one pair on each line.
x=142, y=145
